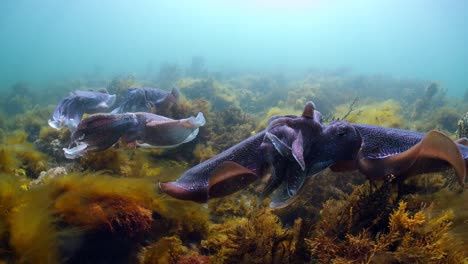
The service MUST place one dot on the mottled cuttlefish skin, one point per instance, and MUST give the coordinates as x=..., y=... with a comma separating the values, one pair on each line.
x=101, y=131
x=146, y=99
x=402, y=153
x=69, y=111
x=291, y=148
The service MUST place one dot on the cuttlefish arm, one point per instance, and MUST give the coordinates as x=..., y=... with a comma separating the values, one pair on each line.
x=321, y=147
x=226, y=173
x=402, y=153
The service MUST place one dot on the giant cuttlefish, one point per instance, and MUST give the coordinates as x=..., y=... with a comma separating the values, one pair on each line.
x=291, y=148
x=100, y=131
x=146, y=99
x=70, y=110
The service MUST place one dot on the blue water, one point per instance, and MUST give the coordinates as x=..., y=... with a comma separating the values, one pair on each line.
x=42, y=41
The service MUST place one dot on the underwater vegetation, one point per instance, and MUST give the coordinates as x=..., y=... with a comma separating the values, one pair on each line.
x=387, y=113
x=408, y=236
x=107, y=205
x=257, y=238
x=220, y=95
x=119, y=85
x=18, y=100
x=19, y=157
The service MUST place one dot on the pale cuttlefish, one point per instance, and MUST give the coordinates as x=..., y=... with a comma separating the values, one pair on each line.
x=101, y=131
x=146, y=99
x=70, y=110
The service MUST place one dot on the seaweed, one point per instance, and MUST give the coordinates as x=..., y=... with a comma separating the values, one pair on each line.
x=220, y=95
x=274, y=111
x=32, y=229
x=120, y=84
x=232, y=126
x=444, y=118
x=419, y=237
x=165, y=250
x=109, y=160
x=386, y=113
x=203, y=152
x=257, y=238
x=52, y=141
x=18, y=100
x=20, y=157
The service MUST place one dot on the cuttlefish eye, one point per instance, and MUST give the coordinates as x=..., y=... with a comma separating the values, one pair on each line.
x=342, y=131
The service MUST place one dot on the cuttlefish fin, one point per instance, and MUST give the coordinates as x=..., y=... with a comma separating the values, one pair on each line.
x=434, y=145
x=438, y=145
x=184, y=192
x=298, y=150
x=229, y=177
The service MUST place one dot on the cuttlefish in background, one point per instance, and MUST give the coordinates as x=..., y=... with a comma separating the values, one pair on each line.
x=100, y=131
x=70, y=110
x=146, y=99
x=289, y=150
